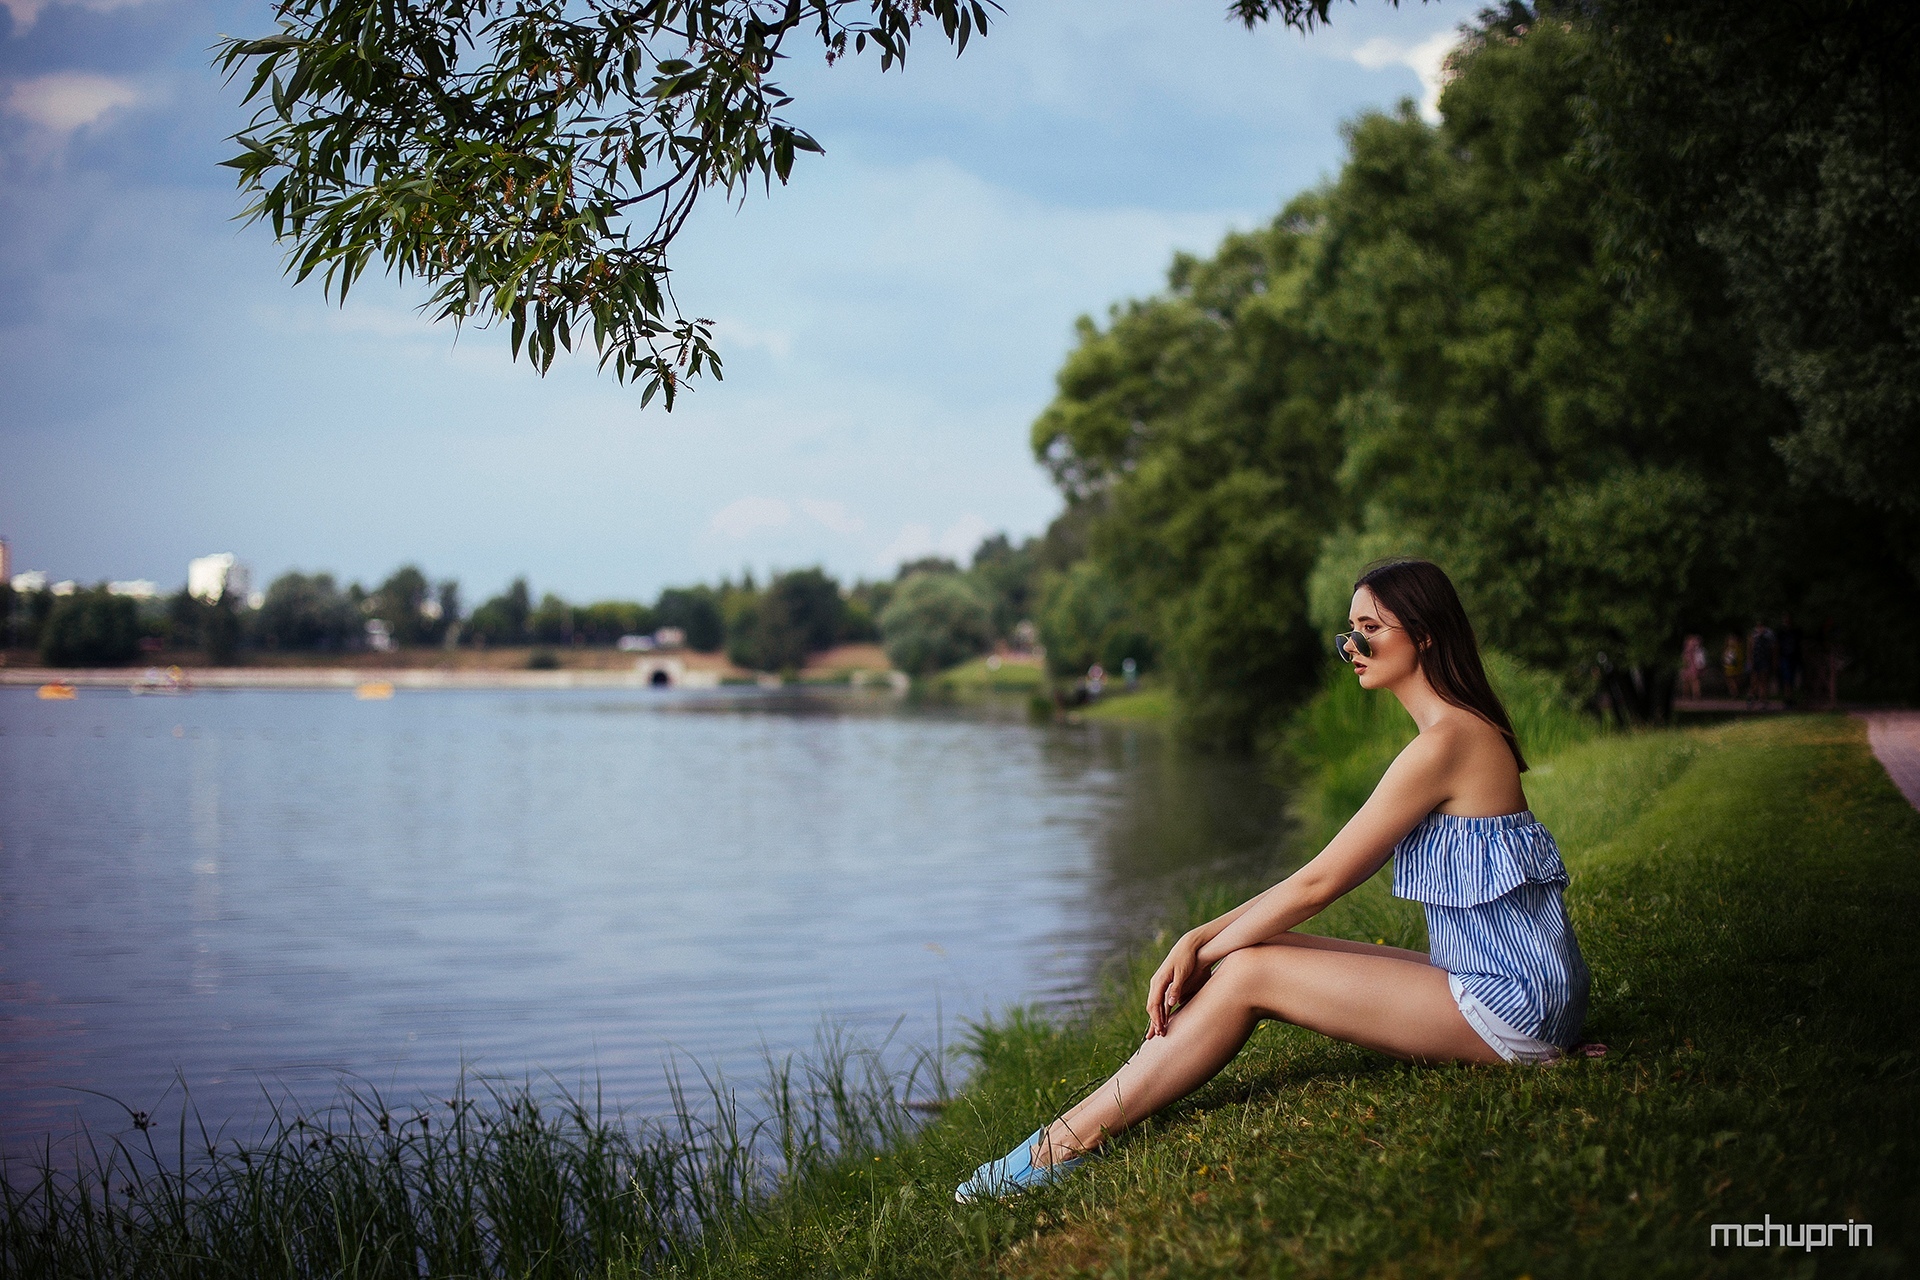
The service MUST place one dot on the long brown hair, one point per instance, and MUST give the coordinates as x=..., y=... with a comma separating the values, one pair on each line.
x=1419, y=593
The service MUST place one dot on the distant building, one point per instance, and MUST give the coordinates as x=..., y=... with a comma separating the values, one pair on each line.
x=6, y=562
x=634, y=644
x=669, y=638
x=136, y=588
x=212, y=578
x=379, y=635
x=29, y=582
x=65, y=588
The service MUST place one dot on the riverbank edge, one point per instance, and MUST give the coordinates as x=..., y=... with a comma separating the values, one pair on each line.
x=1730, y=1090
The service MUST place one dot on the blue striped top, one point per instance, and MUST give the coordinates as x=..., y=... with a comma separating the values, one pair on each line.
x=1495, y=919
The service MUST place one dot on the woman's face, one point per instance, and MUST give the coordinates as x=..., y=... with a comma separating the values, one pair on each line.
x=1393, y=653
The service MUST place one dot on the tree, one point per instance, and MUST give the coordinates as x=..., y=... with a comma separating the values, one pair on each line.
x=809, y=602
x=307, y=612
x=774, y=630
x=694, y=610
x=1781, y=140
x=449, y=599
x=1085, y=618
x=552, y=621
x=606, y=621
x=1009, y=577
x=91, y=629
x=405, y=602
x=27, y=615
x=503, y=619
x=1195, y=442
x=934, y=621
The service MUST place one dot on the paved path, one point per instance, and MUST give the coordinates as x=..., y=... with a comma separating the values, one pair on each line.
x=1895, y=736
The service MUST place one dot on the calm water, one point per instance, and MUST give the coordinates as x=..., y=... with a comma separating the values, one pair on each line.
x=285, y=890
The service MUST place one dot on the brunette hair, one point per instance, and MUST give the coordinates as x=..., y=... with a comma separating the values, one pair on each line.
x=1421, y=596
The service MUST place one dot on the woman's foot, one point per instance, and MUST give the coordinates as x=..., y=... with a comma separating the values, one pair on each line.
x=1015, y=1172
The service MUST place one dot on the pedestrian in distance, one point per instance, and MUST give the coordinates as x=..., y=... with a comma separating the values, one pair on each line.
x=1504, y=981
x=1693, y=660
x=1733, y=661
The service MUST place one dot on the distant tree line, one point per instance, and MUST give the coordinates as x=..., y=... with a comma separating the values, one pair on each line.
x=931, y=614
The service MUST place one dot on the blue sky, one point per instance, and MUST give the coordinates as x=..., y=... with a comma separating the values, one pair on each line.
x=891, y=320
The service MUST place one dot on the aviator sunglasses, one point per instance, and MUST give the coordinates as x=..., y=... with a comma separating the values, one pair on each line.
x=1351, y=644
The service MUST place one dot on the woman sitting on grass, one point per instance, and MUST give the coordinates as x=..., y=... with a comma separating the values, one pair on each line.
x=1505, y=981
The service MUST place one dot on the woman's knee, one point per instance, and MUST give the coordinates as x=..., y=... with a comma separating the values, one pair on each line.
x=1242, y=970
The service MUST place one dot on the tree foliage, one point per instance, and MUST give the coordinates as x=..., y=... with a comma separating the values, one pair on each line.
x=799, y=613
x=934, y=621
x=1783, y=140
x=532, y=161
x=1443, y=351
x=694, y=610
x=90, y=629
x=504, y=618
x=303, y=611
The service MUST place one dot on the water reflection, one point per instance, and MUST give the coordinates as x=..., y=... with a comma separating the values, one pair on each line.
x=272, y=888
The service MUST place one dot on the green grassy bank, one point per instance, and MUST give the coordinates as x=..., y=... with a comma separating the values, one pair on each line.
x=1745, y=895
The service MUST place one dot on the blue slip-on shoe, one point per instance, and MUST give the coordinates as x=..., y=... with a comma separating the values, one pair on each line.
x=1014, y=1172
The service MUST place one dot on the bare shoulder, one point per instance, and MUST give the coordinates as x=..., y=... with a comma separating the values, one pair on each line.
x=1481, y=776
x=1461, y=731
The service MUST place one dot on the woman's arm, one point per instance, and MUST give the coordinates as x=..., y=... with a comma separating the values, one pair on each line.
x=1414, y=786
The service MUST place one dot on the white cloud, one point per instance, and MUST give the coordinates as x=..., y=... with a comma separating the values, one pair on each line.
x=1428, y=60
x=746, y=515
x=64, y=101
x=833, y=516
x=957, y=542
x=27, y=12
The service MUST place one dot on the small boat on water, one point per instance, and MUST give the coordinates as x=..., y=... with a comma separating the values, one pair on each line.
x=374, y=691
x=153, y=681
x=58, y=691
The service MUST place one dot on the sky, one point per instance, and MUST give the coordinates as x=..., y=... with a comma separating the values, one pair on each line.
x=891, y=319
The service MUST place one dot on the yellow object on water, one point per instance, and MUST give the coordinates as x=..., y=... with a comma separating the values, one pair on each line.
x=374, y=691
x=58, y=691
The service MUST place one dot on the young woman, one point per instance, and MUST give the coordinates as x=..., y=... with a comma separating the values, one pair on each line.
x=1504, y=982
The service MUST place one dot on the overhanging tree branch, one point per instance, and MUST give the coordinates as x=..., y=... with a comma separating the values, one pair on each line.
x=532, y=160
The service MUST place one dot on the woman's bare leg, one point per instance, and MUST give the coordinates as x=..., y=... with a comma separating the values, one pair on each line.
x=1379, y=997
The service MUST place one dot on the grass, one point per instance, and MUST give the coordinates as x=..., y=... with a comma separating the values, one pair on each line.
x=496, y=1180
x=974, y=676
x=1744, y=894
x=1150, y=705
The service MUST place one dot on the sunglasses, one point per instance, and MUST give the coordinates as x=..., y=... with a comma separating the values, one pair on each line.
x=1351, y=644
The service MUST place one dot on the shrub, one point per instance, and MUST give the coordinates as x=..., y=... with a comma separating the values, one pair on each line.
x=90, y=629
x=934, y=621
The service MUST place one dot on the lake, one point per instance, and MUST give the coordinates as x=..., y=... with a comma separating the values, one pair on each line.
x=265, y=892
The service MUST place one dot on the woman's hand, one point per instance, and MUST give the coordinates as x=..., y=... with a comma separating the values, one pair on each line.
x=1174, y=982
